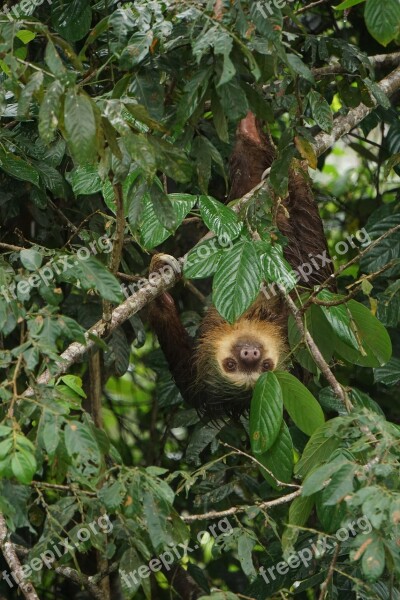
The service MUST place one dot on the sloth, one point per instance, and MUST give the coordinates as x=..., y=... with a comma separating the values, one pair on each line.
x=217, y=373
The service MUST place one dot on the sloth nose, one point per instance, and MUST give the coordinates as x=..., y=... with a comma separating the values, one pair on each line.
x=250, y=354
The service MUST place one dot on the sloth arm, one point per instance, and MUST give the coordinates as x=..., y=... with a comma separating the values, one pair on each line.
x=173, y=338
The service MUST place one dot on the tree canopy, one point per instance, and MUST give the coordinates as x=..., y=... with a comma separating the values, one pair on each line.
x=117, y=121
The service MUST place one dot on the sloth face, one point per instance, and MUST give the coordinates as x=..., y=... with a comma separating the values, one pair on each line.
x=239, y=353
x=243, y=358
x=231, y=357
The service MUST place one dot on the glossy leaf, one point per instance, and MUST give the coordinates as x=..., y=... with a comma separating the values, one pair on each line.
x=237, y=281
x=278, y=459
x=266, y=414
x=219, y=218
x=80, y=126
x=303, y=408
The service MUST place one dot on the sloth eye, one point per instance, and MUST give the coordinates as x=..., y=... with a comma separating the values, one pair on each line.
x=230, y=364
x=267, y=365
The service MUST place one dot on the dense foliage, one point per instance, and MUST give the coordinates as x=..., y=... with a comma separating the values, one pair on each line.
x=116, y=125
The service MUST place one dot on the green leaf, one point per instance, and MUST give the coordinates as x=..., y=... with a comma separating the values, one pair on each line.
x=75, y=383
x=53, y=60
x=382, y=20
x=347, y=4
x=318, y=479
x=276, y=267
x=31, y=259
x=71, y=19
x=341, y=484
x=17, y=167
x=266, y=413
x=374, y=339
x=219, y=118
x=71, y=329
x=237, y=281
x=152, y=233
x=377, y=93
x=245, y=547
x=135, y=193
x=386, y=250
x=320, y=331
x=49, y=111
x=137, y=49
x=51, y=434
x=80, y=443
x=373, y=558
x=142, y=152
x=130, y=562
x=163, y=207
x=23, y=465
x=203, y=259
x=363, y=400
x=279, y=458
x=146, y=87
x=233, y=100
x=25, y=36
x=297, y=67
x=303, y=408
x=299, y=512
x=34, y=85
x=171, y=160
x=84, y=180
x=318, y=449
x=93, y=274
x=339, y=318
x=321, y=111
x=80, y=126
x=389, y=374
x=156, y=511
x=279, y=176
x=219, y=218
x=112, y=495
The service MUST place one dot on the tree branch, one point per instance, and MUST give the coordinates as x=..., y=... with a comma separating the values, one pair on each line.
x=345, y=123
x=12, y=559
x=379, y=60
x=81, y=580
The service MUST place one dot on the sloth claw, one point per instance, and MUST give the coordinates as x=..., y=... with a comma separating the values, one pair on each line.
x=160, y=260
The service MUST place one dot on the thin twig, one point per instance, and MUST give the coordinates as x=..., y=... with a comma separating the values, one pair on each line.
x=319, y=359
x=234, y=510
x=342, y=268
x=329, y=576
x=253, y=459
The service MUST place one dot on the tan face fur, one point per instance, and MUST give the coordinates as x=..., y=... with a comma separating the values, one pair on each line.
x=243, y=351
x=247, y=351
